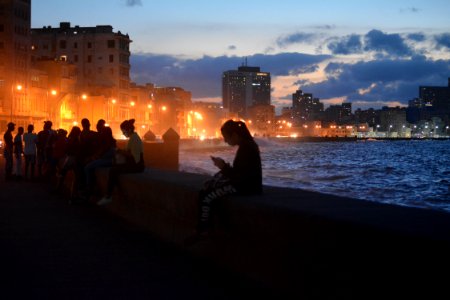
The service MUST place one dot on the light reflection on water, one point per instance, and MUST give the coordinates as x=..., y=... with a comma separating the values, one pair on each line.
x=411, y=173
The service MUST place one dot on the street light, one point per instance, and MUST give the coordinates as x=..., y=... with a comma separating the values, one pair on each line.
x=18, y=88
x=51, y=106
x=83, y=97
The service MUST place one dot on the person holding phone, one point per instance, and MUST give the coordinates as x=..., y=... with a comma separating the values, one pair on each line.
x=243, y=177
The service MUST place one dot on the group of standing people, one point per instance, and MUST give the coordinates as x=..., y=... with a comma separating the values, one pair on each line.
x=22, y=145
x=81, y=151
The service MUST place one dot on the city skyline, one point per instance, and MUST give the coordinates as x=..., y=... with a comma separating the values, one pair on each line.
x=370, y=54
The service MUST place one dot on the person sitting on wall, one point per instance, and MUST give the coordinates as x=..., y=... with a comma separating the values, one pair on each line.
x=129, y=160
x=244, y=177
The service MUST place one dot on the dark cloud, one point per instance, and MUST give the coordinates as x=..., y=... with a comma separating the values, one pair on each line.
x=295, y=38
x=443, y=41
x=417, y=37
x=386, y=44
x=395, y=80
x=396, y=76
x=347, y=45
x=326, y=27
x=203, y=76
x=134, y=2
x=410, y=10
x=232, y=47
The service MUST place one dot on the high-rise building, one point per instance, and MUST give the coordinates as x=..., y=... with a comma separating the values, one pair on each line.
x=305, y=107
x=245, y=87
x=15, y=20
x=100, y=55
x=341, y=114
x=435, y=96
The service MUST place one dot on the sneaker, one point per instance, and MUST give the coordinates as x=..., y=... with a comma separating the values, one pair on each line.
x=104, y=201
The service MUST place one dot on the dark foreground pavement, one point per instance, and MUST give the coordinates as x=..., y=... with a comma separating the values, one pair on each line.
x=52, y=250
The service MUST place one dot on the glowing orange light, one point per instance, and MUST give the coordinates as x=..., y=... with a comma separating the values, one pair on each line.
x=164, y=108
x=132, y=103
x=113, y=101
x=84, y=96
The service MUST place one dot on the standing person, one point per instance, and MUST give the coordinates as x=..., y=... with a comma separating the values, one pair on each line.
x=103, y=157
x=43, y=145
x=101, y=124
x=70, y=160
x=87, y=149
x=133, y=159
x=18, y=151
x=59, y=151
x=244, y=177
x=30, y=139
x=8, y=151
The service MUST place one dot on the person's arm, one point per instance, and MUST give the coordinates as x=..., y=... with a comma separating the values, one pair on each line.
x=135, y=147
x=245, y=173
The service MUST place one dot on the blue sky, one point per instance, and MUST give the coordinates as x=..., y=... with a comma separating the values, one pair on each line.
x=370, y=53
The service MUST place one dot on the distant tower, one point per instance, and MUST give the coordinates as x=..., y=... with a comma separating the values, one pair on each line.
x=436, y=96
x=245, y=87
x=305, y=107
x=15, y=41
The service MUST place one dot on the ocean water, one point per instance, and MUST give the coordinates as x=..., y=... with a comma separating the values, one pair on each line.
x=410, y=173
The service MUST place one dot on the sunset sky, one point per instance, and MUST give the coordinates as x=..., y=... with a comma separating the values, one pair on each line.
x=370, y=53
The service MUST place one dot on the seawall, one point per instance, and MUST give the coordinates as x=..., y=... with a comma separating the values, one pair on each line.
x=303, y=243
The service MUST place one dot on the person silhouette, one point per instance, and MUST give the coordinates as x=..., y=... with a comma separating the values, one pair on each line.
x=70, y=161
x=30, y=139
x=243, y=177
x=18, y=151
x=8, y=150
x=132, y=156
x=44, y=144
x=103, y=157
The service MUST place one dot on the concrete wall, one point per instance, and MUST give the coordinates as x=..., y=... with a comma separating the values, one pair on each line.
x=160, y=154
x=306, y=244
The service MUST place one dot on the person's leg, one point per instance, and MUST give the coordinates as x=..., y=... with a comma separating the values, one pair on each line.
x=89, y=171
x=19, y=166
x=113, y=179
x=8, y=164
x=32, y=164
x=27, y=166
x=40, y=161
x=207, y=204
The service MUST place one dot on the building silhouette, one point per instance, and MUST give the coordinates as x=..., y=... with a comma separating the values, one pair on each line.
x=433, y=102
x=15, y=22
x=305, y=107
x=245, y=87
x=435, y=96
